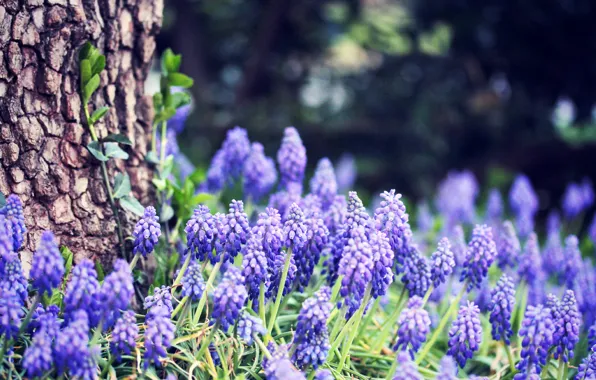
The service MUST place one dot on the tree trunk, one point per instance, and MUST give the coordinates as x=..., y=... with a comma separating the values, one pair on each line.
x=43, y=135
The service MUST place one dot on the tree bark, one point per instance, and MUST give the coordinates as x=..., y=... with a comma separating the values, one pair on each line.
x=43, y=134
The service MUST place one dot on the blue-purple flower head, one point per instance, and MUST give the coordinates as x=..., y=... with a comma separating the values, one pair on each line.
x=254, y=266
x=456, y=197
x=323, y=182
x=567, y=323
x=269, y=230
x=465, y=334
x=13, y=212
x=459, y=248
x=311, y=205
x=424, y=218
x=193, y=284
x=259, y=173
x=71, y=345
x=573, y=261
x=509, y=247
x=199, y=233
x=414, y=326
x=480, y=254
x=324, y=374
x=356, y=267
x=11, y=313
x=279, y=366
x=217, y=174
x=176, y=122
x=81, y=289
x=501, y=307
x=13, y=279
x=536, y=333
x=522, y=197
x=587, y=368
x=161, y=297
x=237, y=231
x=282, y=199
x=311, y=339
x=447, y=369
x=37, y=359
x=553, y=222
x=295, y=228
x=406, y=369
x=442, y=262
x=116, y=292
x=146, y=233
x=7, y=252
x=392, y=219
x=383, y=262
x=494, y=206
x=229, y=298
x=552, y=255
x=125, y=334
x=48, y=267
x=236, y=148
x=317, y=237
x=291, y=157
x=159, y=335
x=346, y=172
x=573, y=201
x=530, y=262
x=335, y=216
x=248, y=326
x=276, y=273
x=45, y=319
x=416, y=273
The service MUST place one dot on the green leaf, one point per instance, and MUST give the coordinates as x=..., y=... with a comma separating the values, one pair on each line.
x=159, y=184
x=98, y=114
x=201, y=198
x=131, y=204
x=118, y=138
x=170, y=62
x=85, y=50
x=94, y=148
x=56, y=298
x=114, y=150
x=68, y=256
x=90, y=87
x=180, y=99
x=99, y=64
x=101, y=274
x=165, y=114
x=2, y=200
x=152, y=158
x=180, y=80
x=167, y=213
x=167, y=167
x=157, y=101
x=85, y=72
x=121, y=185
x=160, y=277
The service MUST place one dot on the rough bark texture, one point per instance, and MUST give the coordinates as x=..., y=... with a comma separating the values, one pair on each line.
x=42, y=131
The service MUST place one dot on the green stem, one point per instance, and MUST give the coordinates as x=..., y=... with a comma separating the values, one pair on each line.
x=560, y=371
x=203, y=300
x=262, y=346
x=369, y=317
x=566, y=370
x=262, y=302
x=280, y=292
x=510, y=357
x=105, y=370
x=392, y=369
x=97, y=334
x=354, y=329
x=427, y=295
x=180, y=306
x=390, y=322
x=522, y=306
x=442, y=324
x=181, y=272
x=206, y=342
x=339, y=323
x=336, y=289
x=134, y=261
x=29, y=315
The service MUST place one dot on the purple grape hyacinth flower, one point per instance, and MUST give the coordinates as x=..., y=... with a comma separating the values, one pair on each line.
x=424, y=218
x=270, y=231
x=199, y=233
x=448, y=369
x=573, y=261
x=552, y=254
x=392, y=219
x=442, y=262
x=465, y=334
x=587, y=368
x=285, y=197
x=509, y=247
x=295, y=229
x=217, y=174
x=11, y=313
x=228, y=299
x=37, y=359
x=259, y=173
x=13, y=279
x=459, y=246
x=383, y=262
x=536, y=333
x=407, y=369
x=237, y=231
x=115, y=293
x=158, y=336
x=530, y=262
x=249, y=326
x=524, y=203
x=567, y=324
x=125, y=334
x=324, y=183
x=573, y=201
x=279, y=366
x=414, y=326
x=162, y=297
x=81, y=289
x=501, y=307
x=311, y=339
x=356, y=267
x=193, y=284
x=254, y=266
x=236, y=148
x=48, y=267
x=275, y=276
x=13, y=212
x=335, y=216
x=7, y=253
x=494, y=206
x=147, y=232
x=416, y=273
x=291, y=157
x=71, y=345
x=345, y=172
x=324, y=374
x=46, y=320
x=480, y=255
x=456, y=198
x=317, y=237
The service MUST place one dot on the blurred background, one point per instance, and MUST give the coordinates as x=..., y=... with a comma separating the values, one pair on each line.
x=409, y=89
